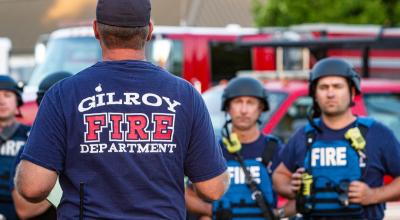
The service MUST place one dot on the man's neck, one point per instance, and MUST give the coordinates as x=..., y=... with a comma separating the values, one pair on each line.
x=247, y=136
x=123, y=54
x=338, y=121
x=6, y=123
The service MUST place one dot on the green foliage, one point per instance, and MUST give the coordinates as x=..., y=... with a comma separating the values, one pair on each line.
x=289, y=12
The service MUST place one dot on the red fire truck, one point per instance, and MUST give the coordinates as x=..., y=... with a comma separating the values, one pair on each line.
x=206, y=56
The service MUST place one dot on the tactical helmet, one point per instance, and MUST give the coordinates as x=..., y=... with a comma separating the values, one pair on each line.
x=48, y=81
x=244, y=86
x=333, y=67
x=7, y=83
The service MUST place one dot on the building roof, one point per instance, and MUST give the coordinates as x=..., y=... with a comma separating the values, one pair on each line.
x=218, y=13
x=24, y=21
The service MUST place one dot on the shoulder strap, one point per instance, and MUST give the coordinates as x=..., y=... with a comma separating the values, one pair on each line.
x=310, y=138
x=363, y=130
x=269, y=149
x=364, y=123
x=310, y=132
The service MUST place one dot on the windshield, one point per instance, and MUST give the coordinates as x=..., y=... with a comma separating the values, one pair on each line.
x=67, y=54
x=386, y=109
x=213, y=97
x=167, y=54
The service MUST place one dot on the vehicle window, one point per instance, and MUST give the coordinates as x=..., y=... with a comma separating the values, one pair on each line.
x=166, y=53
x=295, y=117
x=227, y=59
x=67, y=54
x=386, y=109
x=292, y=58
x=213, y=98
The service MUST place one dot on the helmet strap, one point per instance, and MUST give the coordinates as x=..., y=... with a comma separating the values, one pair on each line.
x=225, y=130
x=19, y=113
x=311, y=114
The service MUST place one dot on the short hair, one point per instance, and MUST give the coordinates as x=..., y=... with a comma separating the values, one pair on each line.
x=115, y=37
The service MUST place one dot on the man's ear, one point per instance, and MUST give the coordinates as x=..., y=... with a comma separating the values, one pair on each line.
x=150, y=34
x=96, y=32
x=353, y=93
x=261, y=106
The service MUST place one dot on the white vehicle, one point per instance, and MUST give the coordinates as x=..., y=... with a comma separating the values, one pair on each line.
x=5, y=48
x=68, y=49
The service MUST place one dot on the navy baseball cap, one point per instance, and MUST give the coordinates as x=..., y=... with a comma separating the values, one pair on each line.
x=123, y=13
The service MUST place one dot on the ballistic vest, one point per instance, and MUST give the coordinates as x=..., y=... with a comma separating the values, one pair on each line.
x=332, y=165
x=238, y=202
x=11, y=140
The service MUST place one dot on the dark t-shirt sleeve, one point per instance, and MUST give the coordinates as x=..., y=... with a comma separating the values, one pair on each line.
x=276, y=159
x=391, y=152
x=45, y=145
x=290, y=154
x=204, y=159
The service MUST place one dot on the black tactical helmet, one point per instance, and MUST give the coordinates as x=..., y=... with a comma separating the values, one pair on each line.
x=333, y=67
x=7, y=83
x=48, y=81
x=244, y=86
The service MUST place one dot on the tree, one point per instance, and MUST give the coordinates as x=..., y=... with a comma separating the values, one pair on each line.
x=289, y=12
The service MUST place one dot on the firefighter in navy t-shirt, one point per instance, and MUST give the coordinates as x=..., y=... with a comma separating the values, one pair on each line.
x=244, y=99
x=122, y=134
x=42, y=210
x=13, y=136
x=334, y=166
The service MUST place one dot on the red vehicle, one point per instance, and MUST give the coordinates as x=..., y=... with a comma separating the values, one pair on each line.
x=206, y=56
x=200, y=55
x=289, y=102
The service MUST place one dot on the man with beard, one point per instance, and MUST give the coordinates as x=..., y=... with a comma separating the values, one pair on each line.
x=334, y=166
x=42, y=210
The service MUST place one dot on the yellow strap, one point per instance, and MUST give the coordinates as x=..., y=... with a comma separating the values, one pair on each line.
x=233, y=146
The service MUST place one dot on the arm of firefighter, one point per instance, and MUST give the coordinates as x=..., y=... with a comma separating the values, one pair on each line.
x=213, y=189
x=286, y=183
x=195, y=204
x=34, y=182
x=360, y=192
x=27, y=210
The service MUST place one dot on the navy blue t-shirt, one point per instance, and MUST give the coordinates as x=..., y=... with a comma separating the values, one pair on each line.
x=8, y=152
x=382, y=151
x=256, y=149
x=130, y=132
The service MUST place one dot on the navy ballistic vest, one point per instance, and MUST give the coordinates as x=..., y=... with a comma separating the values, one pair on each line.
x=238, y=202
x=333, y=165
x=10, y=144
